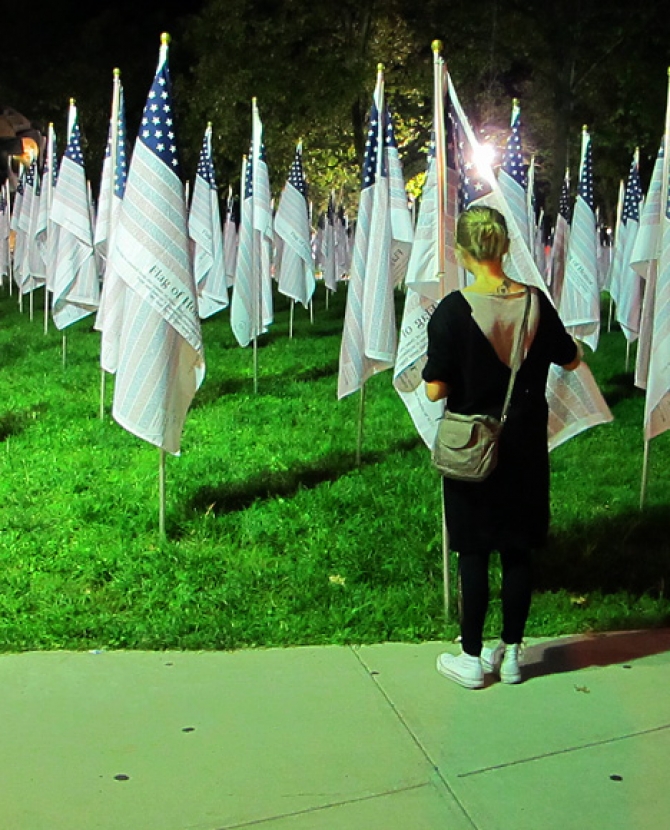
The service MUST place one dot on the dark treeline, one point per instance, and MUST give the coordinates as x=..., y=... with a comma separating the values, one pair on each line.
x=312, y=67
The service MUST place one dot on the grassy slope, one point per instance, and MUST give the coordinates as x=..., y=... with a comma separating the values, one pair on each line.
x=275, y=536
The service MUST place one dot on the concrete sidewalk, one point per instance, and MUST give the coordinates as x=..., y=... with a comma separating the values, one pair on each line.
x=337, y=738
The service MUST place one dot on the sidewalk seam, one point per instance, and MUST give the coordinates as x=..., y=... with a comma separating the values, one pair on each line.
x=414, y=738
x=591, y=745
x=257, y=821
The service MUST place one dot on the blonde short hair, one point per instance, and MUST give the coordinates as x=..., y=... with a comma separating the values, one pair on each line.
x=482, y=232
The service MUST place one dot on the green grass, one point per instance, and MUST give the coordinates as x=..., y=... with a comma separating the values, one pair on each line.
x=275, y=536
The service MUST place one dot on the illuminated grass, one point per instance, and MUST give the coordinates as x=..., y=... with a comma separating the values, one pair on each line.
x=275, y=536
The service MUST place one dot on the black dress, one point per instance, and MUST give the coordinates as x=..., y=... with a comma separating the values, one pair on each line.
x=510, y=509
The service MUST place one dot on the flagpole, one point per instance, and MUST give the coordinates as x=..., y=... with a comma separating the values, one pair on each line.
x=161, y=494
x=255, y=269
x=49, y=197
x=10, y=255
x=440, y=168
x=379, y=89
x=359, y=441
x=617, y=233
x=113, y=154
x=290, y=319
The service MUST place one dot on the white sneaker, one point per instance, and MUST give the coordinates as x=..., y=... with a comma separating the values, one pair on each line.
x=503, y=660
x=463, y=668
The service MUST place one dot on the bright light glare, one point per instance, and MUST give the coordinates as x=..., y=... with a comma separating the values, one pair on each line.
x=484, y=155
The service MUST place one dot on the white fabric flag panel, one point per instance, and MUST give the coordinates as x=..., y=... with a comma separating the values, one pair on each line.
x=160, y=353
x=657, y=403
x=76, y=285
x=296, y=270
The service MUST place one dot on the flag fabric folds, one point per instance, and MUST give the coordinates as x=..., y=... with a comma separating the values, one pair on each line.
x=644, y=261
x=4, y=231
x=204, y=228
x=580, y=297
x=113, y=181
x=112, y=189
x=382, y=245
x=230, y=241
x=296, y=268
x=559, y=247
x=513, y=180
x=76, y=287
x=328, y=261
x=657, y=401
x=625, y=283
x=251, y=305
x=160, y=352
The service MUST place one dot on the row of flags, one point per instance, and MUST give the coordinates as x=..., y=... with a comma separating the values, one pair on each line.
x=166, y=267
x=162, y=267
x=637, y=274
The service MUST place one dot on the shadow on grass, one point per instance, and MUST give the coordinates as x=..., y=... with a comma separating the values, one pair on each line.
x=628, y=552
x=621, y=387
x=231, y=497
x=272, y=385
x=14, y=423
x=581, y=652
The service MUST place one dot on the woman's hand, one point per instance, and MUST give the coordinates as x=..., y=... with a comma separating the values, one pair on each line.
x=436, y=390
x=569, y=367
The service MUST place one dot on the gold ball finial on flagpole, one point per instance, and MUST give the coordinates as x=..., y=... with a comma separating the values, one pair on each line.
x=380, y=67
x=72, y=102
x=436, y=46
x=116, y=72
x=515, y=102
x=165, y=39
x=585, y=128
x=209, y=124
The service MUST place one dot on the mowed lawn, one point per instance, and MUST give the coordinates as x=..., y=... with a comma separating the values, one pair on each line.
x=275, y=535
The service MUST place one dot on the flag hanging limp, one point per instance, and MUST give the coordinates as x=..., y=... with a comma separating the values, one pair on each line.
x=161, y=360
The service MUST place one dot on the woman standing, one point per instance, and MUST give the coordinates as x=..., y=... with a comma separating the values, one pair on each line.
x=471, y=338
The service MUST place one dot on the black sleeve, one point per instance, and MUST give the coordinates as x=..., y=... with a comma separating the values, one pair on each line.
x=561, y=348
x=441, y=364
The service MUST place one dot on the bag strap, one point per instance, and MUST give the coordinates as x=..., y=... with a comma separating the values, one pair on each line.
x=516, y=360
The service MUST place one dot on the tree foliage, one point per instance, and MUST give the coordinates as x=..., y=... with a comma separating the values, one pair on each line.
x=312, y=68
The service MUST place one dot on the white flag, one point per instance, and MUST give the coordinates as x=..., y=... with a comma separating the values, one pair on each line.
x=204, y=228
x=230, y=241
x=251, y=304
x=559, y=247
x=382, y=244
x=161, y=360
x=644, y=261
x=114, y=173
x=626, y=284
x=4, y=231
x=580, y=298
x=76, y=286
x=296, y=269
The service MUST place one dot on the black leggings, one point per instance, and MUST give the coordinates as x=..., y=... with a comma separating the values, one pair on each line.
x=516, y=591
